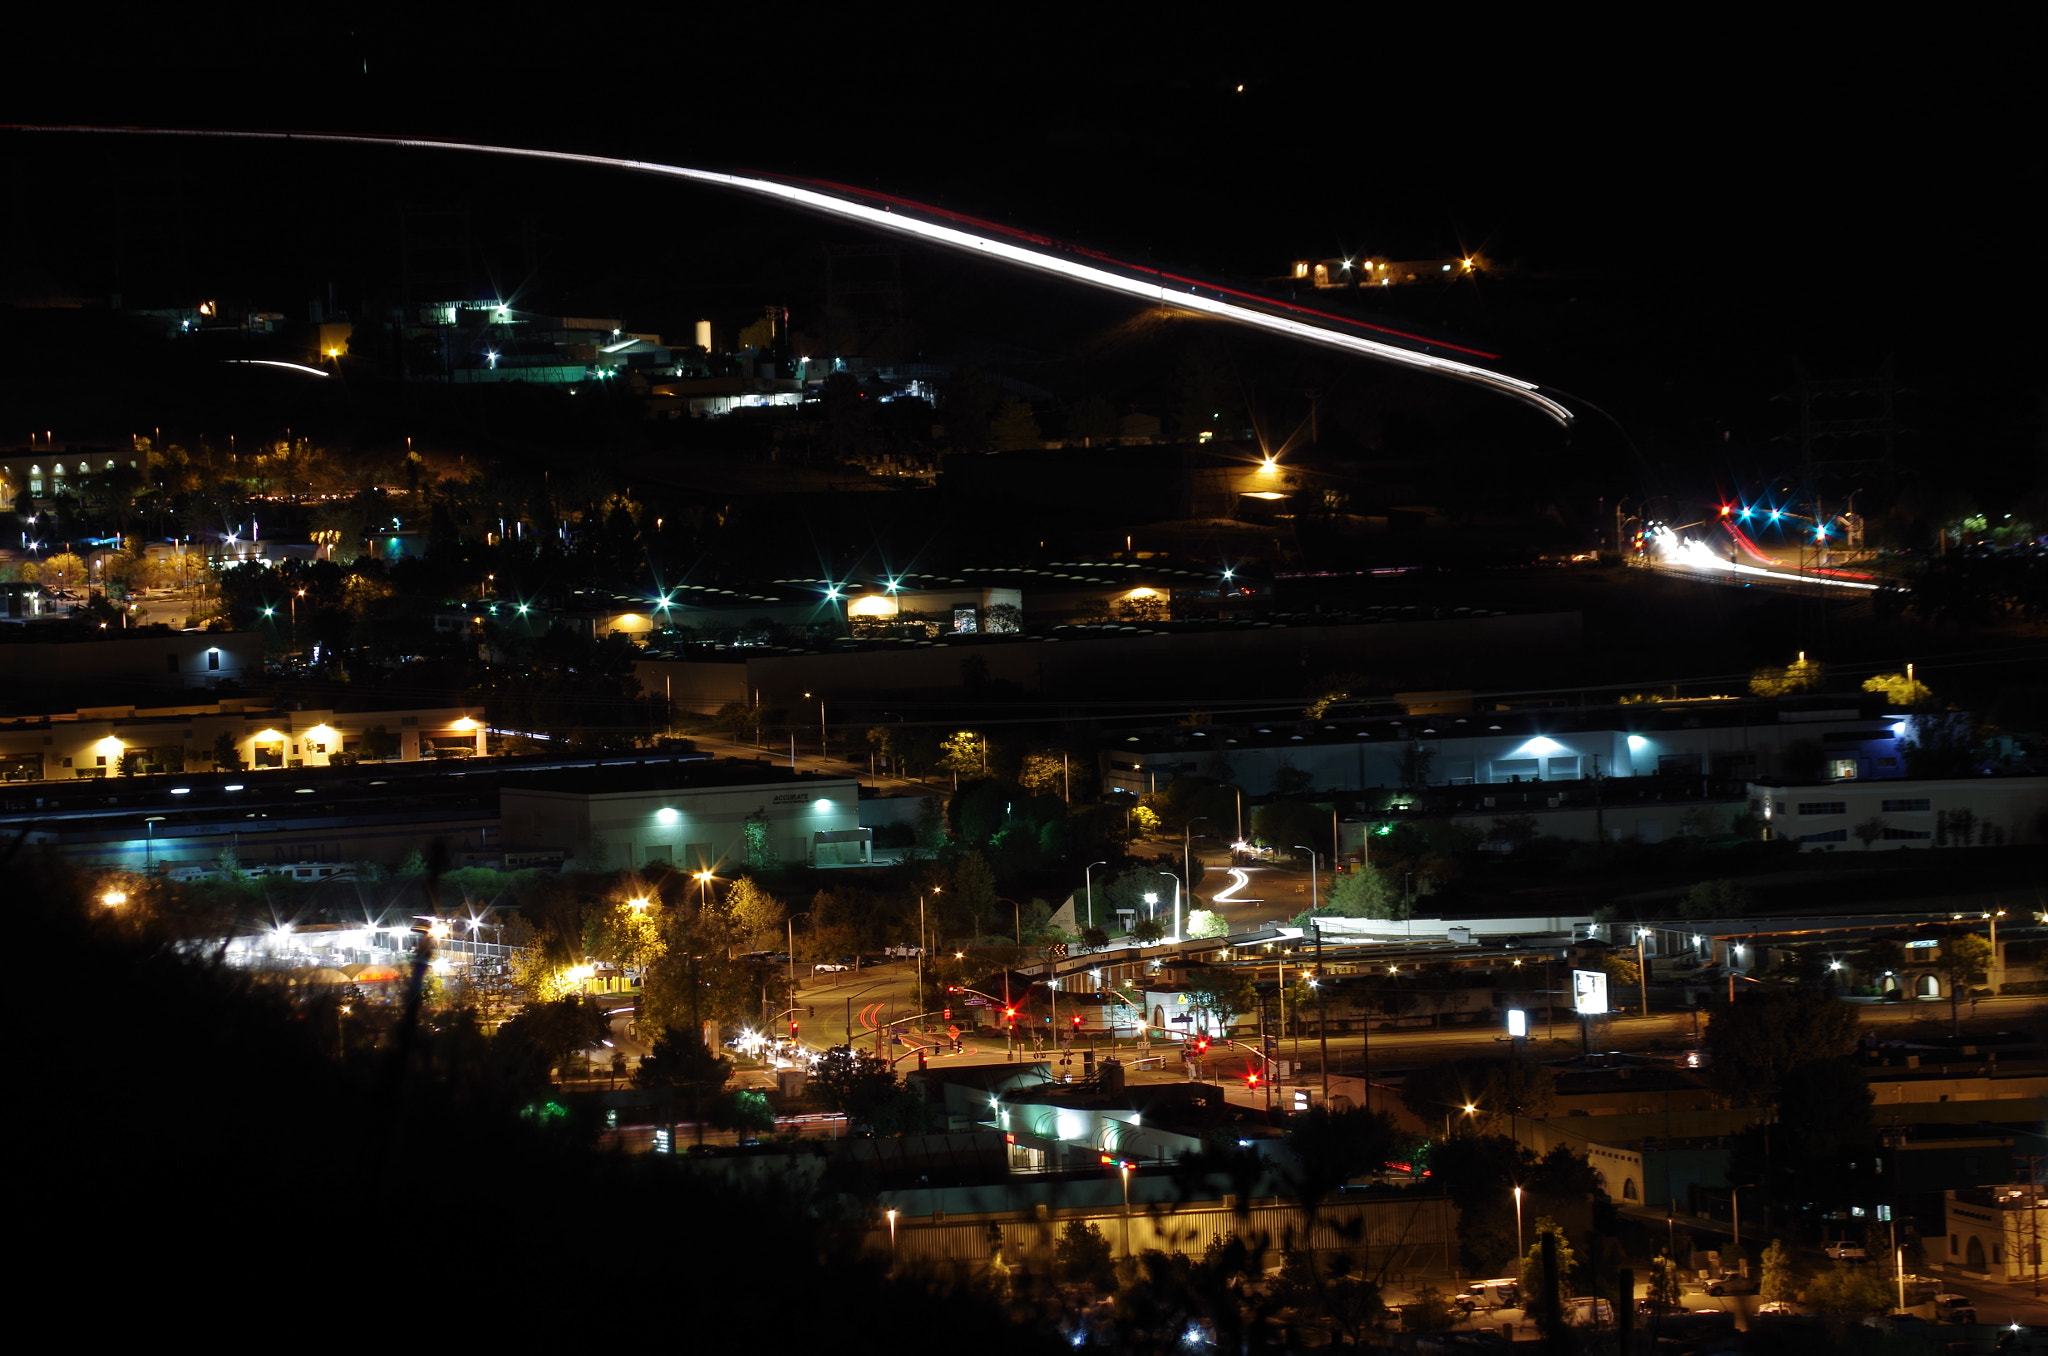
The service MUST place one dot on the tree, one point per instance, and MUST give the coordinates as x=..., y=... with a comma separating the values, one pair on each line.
x=751, y=913
x=1535, y=1278
x=622, y=935
x=1665, y=1291
x=1756, y=1041
x=227, y=756
x=1843, y=1293
x=1365, y=893
x=546, y=1034
x=1777, y=1284
x=1965, y=959
x=1288, y=824
x=1219, y=996
x=680, y=1059
x=1869, y=831
x=1083, y=1257
x=964, y=753
x=741, y=1109
x=1623, y=972
x=1015, y=427
x=1900, y=689
x=1717, y=899
x=1203, y=923
x=63, y=571
x=1802, y=675
x=761, y=853
x=1146, y=931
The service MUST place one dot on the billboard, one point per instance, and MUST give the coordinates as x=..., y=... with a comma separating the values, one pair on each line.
x=1518, y=1023
x=1589, y=992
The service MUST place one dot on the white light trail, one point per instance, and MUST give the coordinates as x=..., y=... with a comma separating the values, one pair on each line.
x=1229, y=893
x=1045, y=261
x=1694, y=555
x=273, y=362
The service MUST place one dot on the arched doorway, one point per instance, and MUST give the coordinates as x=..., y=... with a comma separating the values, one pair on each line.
x=1927, y=986
x=1973, y=1256
x=1628, y=1188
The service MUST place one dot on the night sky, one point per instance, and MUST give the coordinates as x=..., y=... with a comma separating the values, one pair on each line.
x=1703, y=206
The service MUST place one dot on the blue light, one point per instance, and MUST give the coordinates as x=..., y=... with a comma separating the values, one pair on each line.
x=1774, y=515
x=1745, y=512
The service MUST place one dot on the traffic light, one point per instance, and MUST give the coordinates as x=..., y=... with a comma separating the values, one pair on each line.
x=1251, y=1079
x=792, y=1030
x=946, y=1013
x=811, y=1011
x=1076, y=1020
x=922, y=1063
x=1201, y=1045
x=1010, y=1016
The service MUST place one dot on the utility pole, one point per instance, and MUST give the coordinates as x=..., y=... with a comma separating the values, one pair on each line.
x=1322, y=1012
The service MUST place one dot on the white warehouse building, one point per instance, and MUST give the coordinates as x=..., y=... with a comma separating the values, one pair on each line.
x=692, y=815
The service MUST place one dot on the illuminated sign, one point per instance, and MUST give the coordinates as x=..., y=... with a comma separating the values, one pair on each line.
x=1589, y=992
x=1923, y=945
x=1518, y=1023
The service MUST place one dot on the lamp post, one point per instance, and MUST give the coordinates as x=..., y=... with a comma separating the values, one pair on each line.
x=892, y=1240
x=1643, y=968
x=1518, y=1222
x=1187, y=838
x=1088, y=884
x=1176, y=903
x=790, y=924
x=703, y=879
x=150, y=822
x=1314, y=887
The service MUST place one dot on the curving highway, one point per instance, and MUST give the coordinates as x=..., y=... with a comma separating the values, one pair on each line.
x=1006, y=245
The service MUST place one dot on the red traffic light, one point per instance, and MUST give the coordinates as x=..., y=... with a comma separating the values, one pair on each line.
x=792, y=1030
x=1076, y=1019
x=1251, y=1080
x=947, y=1013
x=1201, y=1045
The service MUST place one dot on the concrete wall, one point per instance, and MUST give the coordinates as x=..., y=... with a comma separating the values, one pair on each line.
x=1198, y=663
x=115, y=741
x=2015, y=809
x=692, y=827
x=1466, y=753
x=167, y=661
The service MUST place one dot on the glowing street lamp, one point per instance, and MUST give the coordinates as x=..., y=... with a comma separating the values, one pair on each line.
x=114, y=899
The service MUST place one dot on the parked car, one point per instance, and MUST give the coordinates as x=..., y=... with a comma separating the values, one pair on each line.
x=1846, y=1252
x=1503, y=1293
x=1775, y=1307
x=1955, y=1308
x=1731, y=1283
x=829, y=968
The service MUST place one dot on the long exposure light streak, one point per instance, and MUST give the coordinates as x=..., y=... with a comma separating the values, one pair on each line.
x=1095, y=270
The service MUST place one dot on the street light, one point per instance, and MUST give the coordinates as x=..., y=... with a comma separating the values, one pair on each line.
x=114, y=899
x=1088, y=884
x=1176, y=903
x=1314, y=885
x=1518, y=1222
x=703, y=879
